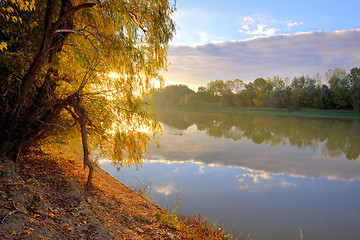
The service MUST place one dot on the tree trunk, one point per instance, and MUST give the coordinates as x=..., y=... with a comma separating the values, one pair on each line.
x=51, y=43
x=40, y=57
x=87, y=162
x=82, y=116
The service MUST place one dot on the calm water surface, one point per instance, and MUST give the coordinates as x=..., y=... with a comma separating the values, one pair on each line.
x=264, y=175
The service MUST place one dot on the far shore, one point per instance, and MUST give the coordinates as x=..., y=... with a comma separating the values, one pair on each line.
x=345, y=114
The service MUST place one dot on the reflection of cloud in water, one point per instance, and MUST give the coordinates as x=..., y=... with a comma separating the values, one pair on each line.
x=201, y=149
x=252, y=180
x=166, y=190
x=287, y=184
x=169, y=162
x=201, y=169
x=311, y=147
x=152, y=160
x=104, y=161
x=256, y=177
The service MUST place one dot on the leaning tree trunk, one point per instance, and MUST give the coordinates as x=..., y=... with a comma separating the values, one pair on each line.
x=82, y=117
x=87, y=162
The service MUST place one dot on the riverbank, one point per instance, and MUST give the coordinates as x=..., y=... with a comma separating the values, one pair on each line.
x=45, y=198
x=343, y=114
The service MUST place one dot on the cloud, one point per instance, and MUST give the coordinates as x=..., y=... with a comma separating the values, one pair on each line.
x=201, y=169
x=278, y=55
x=287, y=184
x=293, y=24
x=166, y=190
x=255, y=177
x=258, y=25
x=253, y=180
x=262, y=30
x=246, y=27
x=248, y=19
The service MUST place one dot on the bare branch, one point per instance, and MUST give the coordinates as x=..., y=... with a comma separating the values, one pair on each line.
x=52, y=124
x=7, y=215
x=69, y=31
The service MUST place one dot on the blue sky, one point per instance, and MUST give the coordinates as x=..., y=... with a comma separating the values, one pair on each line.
x=201, y=21
x=215, y=38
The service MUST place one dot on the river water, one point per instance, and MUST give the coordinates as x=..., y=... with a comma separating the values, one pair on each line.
x=267, y=176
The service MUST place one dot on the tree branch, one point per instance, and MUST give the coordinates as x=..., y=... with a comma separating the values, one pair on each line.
x=70, y=12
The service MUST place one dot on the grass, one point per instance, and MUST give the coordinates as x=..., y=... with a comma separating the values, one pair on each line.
x=143, y=188
x=195, y=227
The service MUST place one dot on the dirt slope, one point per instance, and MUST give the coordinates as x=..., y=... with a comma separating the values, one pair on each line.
x=46, y=199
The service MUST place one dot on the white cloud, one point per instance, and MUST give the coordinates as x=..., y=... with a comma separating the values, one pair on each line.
x=262, y=30
x=204, y=36
x=256, y=177
x=293, y=24
x=248, y=19
x=166, y=190
x=282, y=55
x=201, y=169
x=253, y=180
x=104, y=161
x=287, y=184
x=259, y=25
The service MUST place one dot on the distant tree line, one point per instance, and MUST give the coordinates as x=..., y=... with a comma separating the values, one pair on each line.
x=342, y=91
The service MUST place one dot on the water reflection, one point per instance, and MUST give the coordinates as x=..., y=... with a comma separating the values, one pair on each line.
x=266, y=175
x=340, y=136
x=308, y=147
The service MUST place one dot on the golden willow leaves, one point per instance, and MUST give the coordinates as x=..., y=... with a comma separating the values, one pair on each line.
x=129, y=39
x=57, y=73
x=9, y=12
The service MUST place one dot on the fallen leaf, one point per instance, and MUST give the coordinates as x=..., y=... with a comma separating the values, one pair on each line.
x=3, y=234
x=26, y=232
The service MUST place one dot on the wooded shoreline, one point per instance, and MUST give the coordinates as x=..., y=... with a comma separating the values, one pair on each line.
x=348, y=114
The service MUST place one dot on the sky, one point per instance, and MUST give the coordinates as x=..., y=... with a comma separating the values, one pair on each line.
x=236, y=39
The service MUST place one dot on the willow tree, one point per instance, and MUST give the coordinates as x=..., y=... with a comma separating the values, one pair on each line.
x=84, y=64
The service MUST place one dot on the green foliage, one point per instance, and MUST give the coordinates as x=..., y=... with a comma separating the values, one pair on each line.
x=195, y=227
x=342, y=92
x=339, y=91
x=218, y=88
x=354, y=78
x=281, y=97
x=174, y=95
x=262, y=92
x=323, y=95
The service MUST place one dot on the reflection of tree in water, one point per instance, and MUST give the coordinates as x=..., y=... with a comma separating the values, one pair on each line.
x=175, y=119
x=339, y=136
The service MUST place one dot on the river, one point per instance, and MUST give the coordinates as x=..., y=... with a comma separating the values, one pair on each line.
x=263, y=175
